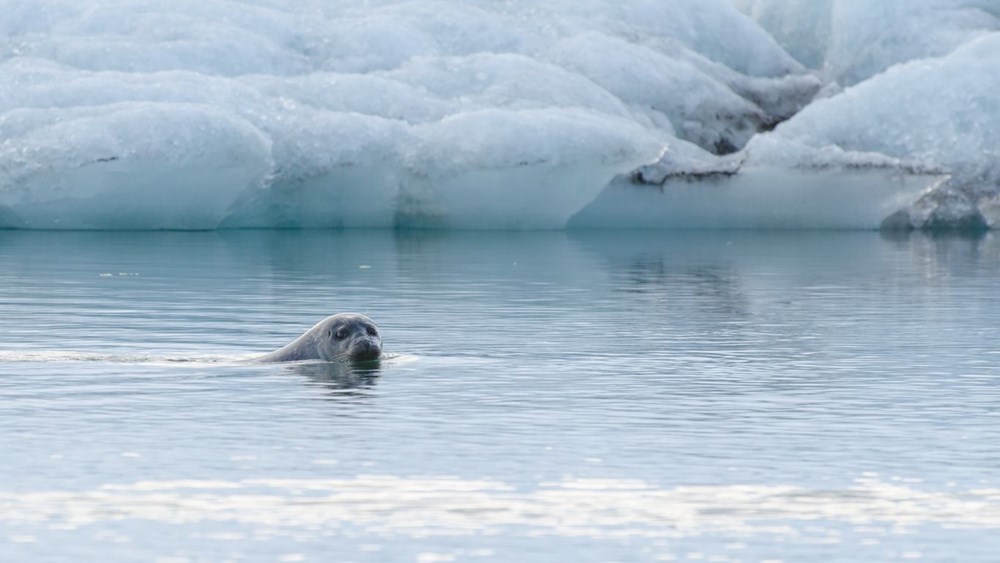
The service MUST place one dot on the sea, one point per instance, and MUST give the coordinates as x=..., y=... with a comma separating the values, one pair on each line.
x=582, y=396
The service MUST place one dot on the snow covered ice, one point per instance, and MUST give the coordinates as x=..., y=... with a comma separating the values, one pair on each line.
x=514, y=114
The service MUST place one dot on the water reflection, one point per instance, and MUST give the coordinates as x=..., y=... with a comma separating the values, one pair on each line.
x=340, y=377
x=739, y=362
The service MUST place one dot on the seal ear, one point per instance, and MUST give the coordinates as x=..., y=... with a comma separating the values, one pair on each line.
x=329, y=333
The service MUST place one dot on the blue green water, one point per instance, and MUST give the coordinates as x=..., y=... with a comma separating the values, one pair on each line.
x=596, y=396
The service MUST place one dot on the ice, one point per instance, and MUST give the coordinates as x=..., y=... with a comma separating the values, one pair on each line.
x=480, y=114
x=801, y=27
x=491, y=168
x=940, y=113
x=940, y=110
x=758, y=197
x=852, y=41
x=101, y=168
x=638, y=76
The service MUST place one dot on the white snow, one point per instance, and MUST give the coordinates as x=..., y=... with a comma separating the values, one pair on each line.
x=481, y=114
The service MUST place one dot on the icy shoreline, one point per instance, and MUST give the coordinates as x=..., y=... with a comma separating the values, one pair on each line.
x=440, y=114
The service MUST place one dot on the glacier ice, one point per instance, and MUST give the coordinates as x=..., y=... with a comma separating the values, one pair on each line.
x=911, y=80
x=480, y=114
x=938, y=113
x=851, y=41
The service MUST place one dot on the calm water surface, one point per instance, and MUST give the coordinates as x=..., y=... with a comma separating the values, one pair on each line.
x=548, y=397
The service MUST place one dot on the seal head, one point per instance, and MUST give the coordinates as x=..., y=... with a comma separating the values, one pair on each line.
x=349, y=337
x=344, y=337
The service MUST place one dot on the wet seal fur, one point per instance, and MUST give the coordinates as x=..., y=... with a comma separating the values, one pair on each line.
x=345, y=337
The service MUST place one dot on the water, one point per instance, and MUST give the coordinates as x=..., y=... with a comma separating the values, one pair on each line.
x=548, y=397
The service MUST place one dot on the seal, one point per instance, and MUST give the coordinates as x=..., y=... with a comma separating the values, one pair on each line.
x=347, y=337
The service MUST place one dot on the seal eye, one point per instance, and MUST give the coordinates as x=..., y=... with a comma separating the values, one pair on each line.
x=372, y=331
x=341, y=334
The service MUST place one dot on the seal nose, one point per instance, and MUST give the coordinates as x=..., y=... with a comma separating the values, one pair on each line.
x=367, y=349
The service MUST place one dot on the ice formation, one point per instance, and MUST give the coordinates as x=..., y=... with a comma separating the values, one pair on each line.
x=478, y=114
x=921, y=78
